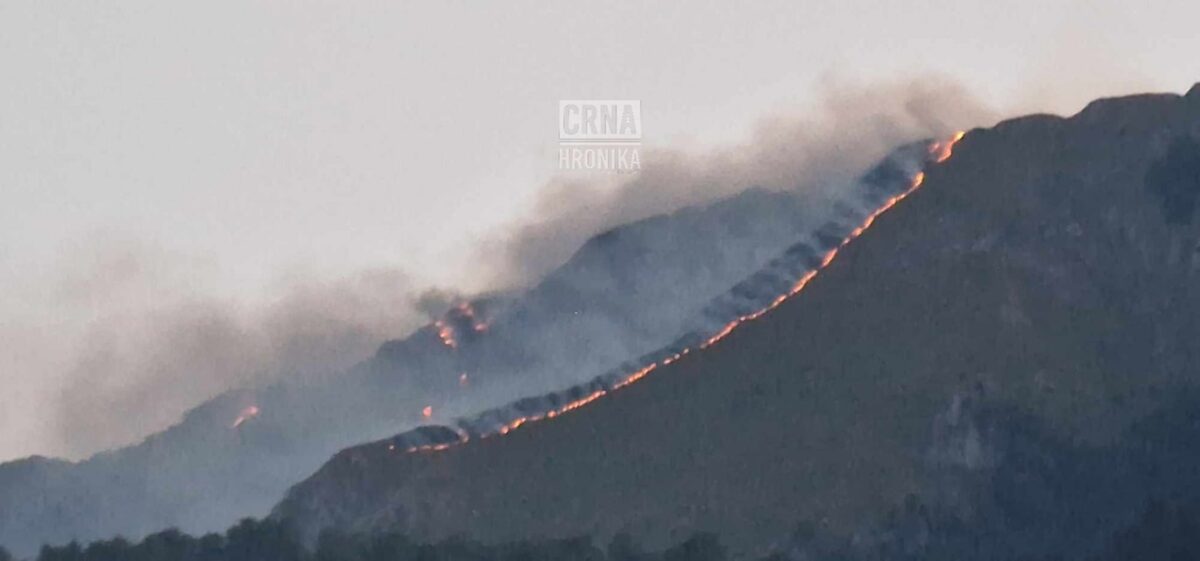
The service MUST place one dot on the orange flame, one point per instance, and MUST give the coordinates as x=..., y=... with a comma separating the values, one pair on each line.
x=469, y=312
x=427, y=412
x=463, y=312
x=246, y=414
x=446, y=334
x=941, y=151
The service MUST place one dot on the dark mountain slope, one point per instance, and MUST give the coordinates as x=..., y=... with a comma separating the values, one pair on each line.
x=626, y=292
x=1045, y=261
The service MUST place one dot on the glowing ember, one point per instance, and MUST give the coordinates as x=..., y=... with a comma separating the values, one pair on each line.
x=478, y=325
x=427, y=412
x=940, y=151
x=460, y=318
x=246, y=414
x=446, y=334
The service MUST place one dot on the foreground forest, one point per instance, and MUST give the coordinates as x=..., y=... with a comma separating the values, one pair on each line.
x=1163, y=532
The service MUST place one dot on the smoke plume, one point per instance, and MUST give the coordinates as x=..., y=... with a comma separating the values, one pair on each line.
x=131, y=339
x=815, y=151
x=127, y=337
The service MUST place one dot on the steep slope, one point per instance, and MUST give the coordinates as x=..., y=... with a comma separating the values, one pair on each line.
x=1050, y=261
x=625, y=293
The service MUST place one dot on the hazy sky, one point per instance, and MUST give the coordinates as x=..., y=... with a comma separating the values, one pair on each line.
x=243, y=152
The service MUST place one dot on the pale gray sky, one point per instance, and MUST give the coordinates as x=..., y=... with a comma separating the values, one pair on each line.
x=231, y=151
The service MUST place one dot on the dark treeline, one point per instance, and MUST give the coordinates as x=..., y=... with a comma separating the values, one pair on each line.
x=267, y=540
x=1164, y=532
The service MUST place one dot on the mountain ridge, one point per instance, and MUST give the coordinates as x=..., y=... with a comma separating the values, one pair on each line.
x=201, y=475
x=1036, y=262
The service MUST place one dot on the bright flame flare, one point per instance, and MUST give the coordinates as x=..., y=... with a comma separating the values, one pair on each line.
x=446, y=334
x=246, y=414
x=943, y=150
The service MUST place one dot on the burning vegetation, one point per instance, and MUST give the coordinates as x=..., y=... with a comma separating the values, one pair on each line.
x=462, y=321
x=556, y=404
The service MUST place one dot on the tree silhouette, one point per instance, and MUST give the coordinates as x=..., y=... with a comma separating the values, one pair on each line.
x=252, y=540
x=116, y=549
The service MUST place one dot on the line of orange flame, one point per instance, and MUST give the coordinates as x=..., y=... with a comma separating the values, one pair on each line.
x=940, y=151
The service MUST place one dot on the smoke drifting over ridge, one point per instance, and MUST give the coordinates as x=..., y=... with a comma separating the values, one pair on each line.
x=137, y=338
x=816, y=152
x=132, y=337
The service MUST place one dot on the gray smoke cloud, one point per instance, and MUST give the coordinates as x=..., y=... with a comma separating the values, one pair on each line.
x=816, y=151
x=127, y=336
x=131, y=338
